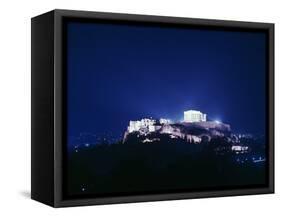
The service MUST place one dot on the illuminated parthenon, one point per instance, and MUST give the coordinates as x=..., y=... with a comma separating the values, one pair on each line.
x=192, y=116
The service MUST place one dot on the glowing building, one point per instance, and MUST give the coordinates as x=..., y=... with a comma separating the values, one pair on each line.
x=143, y=123
x=192, y=116
x=165, y=121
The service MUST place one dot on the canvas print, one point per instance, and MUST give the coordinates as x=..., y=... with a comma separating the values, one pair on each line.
x=163, y=109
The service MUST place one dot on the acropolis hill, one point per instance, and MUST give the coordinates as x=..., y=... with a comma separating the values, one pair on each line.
x=193, y=128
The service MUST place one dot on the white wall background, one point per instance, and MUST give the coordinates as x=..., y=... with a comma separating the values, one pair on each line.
x=15, y=106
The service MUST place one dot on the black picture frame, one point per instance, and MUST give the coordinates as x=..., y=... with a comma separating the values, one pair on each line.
x=48, y=105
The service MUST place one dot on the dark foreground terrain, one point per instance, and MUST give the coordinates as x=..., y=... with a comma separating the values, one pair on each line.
x=166, y=165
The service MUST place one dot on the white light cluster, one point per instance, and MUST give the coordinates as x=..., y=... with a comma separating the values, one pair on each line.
x=239, y=149
x=165, y=121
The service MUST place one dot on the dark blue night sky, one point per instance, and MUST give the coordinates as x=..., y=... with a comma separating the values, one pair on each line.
x=118, y=73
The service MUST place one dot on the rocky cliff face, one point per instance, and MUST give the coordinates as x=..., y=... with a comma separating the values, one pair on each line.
x=191, y=132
